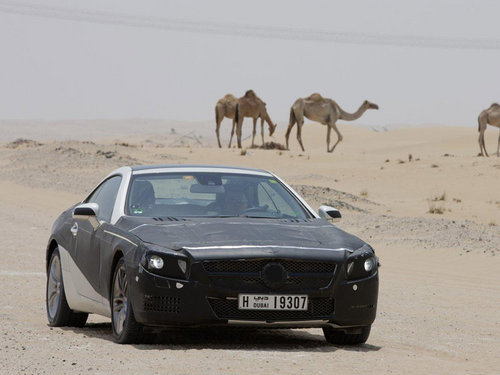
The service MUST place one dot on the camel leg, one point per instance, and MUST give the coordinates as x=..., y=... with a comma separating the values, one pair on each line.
x=262, y=130
x=291, y=123
x=339, y=139
x=217, y=132
x=483, y=144
x=299, y=134
x=238, y=131
x=288, y=131
x=498, y=146
x=482, y=123
x=254, y=131
x=328, y=133
x=232, y=133
x=480, y=140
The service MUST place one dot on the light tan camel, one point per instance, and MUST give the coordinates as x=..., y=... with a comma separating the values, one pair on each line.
x=325, y=111
x=488, y=116
x=225, y=107
x=250, y=105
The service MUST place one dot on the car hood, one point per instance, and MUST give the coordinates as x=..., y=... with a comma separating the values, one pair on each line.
x=203, y=235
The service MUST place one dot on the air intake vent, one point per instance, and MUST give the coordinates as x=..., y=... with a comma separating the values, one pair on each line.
x=162, y=304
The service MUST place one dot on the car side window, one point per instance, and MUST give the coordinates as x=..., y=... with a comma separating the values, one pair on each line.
x=105, y=197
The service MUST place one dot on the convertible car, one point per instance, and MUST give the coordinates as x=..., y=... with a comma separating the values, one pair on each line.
x=154, y=247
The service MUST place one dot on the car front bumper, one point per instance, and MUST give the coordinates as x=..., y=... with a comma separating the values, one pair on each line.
x=162, y=301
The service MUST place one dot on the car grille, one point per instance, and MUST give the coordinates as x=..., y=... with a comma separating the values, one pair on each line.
x=246, y=275
x=319, y=308
x=162, y=304
x=250, y=266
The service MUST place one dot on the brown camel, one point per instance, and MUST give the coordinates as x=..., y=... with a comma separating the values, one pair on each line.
x=225, y=107
x=250, y=105
x=488, y=116
x=325, y=111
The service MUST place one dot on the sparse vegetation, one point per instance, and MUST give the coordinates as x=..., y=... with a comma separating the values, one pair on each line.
x=457, y=200
x=364, y=193
x=492, y=224
x=433, y=209
x=434, y=166
x=439, y=197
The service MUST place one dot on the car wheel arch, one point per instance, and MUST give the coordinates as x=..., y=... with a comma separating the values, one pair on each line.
x=116, y=257
x=50, y=249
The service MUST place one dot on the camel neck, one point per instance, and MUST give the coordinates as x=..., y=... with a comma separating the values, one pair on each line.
x=351, y=116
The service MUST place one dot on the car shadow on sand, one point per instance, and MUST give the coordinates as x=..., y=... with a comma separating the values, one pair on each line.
x=229, y=338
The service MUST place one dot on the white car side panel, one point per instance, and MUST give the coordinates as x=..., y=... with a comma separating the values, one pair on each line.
x=121, y=196
x=74, y=280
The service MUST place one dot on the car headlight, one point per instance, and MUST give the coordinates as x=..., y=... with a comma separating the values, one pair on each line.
x=361, y=263
x=155, y=262
x=165, y=262
x=369, y=264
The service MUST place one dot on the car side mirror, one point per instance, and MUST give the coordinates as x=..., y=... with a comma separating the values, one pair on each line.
x=329, y=213
x=87, y=211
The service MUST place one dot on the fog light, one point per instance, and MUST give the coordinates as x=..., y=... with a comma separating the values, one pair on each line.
x=369, y=264
x=155, y=262
x=182, y=265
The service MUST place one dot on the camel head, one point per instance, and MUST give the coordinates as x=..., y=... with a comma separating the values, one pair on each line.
x=272, y=129
x=369, y=105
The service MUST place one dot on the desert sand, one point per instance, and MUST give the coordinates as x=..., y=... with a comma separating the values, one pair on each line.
x=439, y=300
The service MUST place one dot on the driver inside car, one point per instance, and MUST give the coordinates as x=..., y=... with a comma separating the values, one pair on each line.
x=235, y=203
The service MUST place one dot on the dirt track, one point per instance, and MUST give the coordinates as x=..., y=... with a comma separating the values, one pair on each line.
x=438, y=307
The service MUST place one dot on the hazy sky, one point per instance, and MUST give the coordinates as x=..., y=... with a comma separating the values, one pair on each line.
x=65, y=69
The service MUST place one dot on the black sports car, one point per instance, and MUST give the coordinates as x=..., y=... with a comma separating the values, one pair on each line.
x=164, y=246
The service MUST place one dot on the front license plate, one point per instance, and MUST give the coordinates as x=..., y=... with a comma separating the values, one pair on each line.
x=272, y=302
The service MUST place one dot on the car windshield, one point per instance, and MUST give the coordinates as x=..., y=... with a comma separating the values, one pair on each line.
x=211, y=195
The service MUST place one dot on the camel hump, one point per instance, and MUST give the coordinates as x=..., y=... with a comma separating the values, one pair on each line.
x=229, y=97
x=250, y=94
x=315, y=97
x=495, y=105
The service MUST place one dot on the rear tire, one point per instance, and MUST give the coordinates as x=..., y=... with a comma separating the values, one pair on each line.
x=126, y=330
x=340, y=337
x=59, y=313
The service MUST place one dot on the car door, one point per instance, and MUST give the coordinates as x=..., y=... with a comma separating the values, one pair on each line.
x=88, y=237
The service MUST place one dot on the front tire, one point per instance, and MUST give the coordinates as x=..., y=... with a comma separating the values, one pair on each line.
x=126, y=330
x=58, y=312
x=340, y=337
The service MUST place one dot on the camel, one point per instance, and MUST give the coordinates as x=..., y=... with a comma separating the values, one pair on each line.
x=225, y=107
x=488, y=116
x=325, y=111
x=250, y=105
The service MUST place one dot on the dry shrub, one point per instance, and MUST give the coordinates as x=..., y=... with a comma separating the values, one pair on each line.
x=440, y=197
x=433, y=209
x=23, y=142
x=273, y=146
